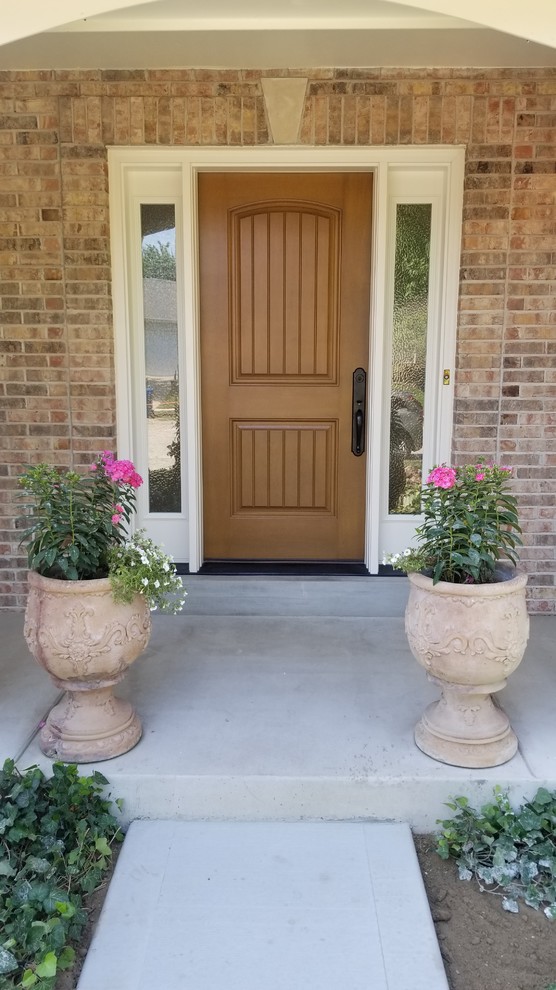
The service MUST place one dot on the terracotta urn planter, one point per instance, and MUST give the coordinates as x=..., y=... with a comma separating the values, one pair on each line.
x=469, y=638
x=86, y=641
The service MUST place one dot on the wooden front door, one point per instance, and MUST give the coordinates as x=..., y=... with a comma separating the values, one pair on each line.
x=284, y=272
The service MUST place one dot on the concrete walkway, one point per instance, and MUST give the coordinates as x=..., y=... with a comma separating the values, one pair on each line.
x=274, y=906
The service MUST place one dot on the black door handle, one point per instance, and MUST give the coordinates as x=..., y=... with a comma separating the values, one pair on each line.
x=358, y=430
x=359, y=399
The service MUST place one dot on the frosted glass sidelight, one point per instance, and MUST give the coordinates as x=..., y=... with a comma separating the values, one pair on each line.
x=158, y=248
x=409, y=347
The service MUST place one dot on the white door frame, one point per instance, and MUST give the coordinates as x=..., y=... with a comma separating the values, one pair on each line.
x=384, y=162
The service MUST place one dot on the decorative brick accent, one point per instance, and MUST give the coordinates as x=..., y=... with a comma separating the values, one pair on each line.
x=57, y=383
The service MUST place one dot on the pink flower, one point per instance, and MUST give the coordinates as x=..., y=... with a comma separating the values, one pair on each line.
x=442, y=477
x=116, y=519
x=480, y=476
x=124, y=472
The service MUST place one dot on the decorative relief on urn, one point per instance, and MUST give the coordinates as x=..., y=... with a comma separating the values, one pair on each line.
x=469, y=639
x=86, y=642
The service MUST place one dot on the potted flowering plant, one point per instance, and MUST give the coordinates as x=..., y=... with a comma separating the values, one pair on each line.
x=91, y=590
x=466, y=618
x=470, y=524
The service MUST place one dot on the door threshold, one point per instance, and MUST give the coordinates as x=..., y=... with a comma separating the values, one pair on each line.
x=286, y=568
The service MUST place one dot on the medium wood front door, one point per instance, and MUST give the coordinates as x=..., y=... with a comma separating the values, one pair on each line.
x=284, y=273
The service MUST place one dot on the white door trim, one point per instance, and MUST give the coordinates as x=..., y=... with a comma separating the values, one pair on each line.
x=383, y=162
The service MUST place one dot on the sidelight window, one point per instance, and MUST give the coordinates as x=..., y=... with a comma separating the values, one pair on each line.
x=409, y=351
x=162, y=386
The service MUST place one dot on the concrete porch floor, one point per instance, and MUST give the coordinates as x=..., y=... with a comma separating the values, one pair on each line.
x=281, y=699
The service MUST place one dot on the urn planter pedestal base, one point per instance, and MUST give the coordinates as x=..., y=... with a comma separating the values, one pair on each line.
x=86, y=641
x=466, y=727
x=469, y=638
x=91, y=725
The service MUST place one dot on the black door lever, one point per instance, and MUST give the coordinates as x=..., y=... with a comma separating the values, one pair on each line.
x=359, y=399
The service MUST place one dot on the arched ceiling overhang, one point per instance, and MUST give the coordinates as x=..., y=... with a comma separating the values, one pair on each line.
x=534, y=20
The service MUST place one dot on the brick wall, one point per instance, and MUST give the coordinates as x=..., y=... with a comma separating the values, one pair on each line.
x=57, y=382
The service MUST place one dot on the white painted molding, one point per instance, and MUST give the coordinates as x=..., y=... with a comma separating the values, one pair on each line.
x=386, y=163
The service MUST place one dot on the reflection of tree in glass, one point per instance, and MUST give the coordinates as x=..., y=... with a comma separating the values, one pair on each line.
x=409, y=343
x=411, y=284
x=413, y=235
x=165, y=483
x=174, y=448
x=159, y=262
x=400, y=447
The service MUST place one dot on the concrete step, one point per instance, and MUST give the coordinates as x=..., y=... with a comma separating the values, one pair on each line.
x=247, y=906
x=289, y=596
x=254, y=712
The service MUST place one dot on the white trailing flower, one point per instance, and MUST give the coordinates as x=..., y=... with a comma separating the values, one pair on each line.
x=139, y=565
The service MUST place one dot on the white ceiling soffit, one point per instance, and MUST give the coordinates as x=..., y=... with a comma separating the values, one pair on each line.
x=534, y=20
x=273, y=49
x=29, y=17
x=266, y=15
x=260, y=33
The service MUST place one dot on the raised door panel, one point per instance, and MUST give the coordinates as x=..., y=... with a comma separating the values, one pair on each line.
x=284, y=265
x=284, y=466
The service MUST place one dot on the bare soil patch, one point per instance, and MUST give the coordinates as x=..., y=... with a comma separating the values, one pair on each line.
x=483, y=946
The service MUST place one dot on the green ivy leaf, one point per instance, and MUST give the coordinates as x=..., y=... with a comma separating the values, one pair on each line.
x=102, y=847
x=510, y=904
x=543, y=797
x=99, y=778
x=529, y=820
x=65, y=908
x=8, y=962
x=48, y=966
x=66, y=958
x=35, y=864
x=28, y=979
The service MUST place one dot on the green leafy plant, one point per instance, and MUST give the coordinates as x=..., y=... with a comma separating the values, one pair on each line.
x=470, y=523
x=75, y=519
x=139, y=565
x=510, y=853
x=56, y=838
x=159, y=261
x=165, y=482
x=78, y=531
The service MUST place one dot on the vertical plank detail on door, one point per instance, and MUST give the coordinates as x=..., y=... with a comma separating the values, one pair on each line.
x=284, y=466
x=283, y=294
